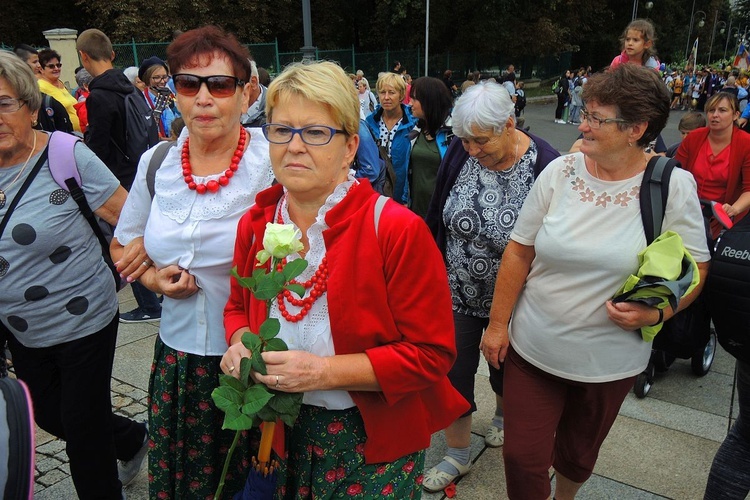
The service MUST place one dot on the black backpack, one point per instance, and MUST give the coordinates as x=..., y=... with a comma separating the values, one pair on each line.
x=689, y=330
x=727, y=290
x=141, y=129
x=520, y=101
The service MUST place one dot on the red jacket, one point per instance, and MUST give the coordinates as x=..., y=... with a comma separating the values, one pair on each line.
x=388, y=297
x=739, y=163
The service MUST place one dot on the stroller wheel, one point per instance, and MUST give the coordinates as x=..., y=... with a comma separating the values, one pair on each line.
x=644, y=382
x=702, y=360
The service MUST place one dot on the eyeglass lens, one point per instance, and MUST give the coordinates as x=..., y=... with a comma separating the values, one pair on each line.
x=10, y=105
x=218, y=85
x=53, y=65
x=314, y=135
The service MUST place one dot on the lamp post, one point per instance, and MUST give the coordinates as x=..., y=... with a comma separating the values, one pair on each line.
x=700, y=24
x=713, y=33
x=729, y=35
x=308, y=51
x=690, y=28
x=647, y=5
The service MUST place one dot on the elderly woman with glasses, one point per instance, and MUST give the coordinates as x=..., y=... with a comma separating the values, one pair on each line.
x=570, y=354
x=371, y=353
x=155, y=74
x=482, y=183
x=203, y=187
x=58, y=308
x=50, y=84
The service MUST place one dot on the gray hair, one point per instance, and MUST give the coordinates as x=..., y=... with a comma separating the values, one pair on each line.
x=131, y=73
x=360, y=72
x=485, y=106
x=17, y=73
x=83, y=78
x=253, y=69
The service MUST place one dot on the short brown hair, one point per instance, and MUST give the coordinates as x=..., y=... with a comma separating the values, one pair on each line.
x=46, y=55
x=691, y=121
x=195, y=47
x=715, y=99
x=638, y=94
x=95, y=44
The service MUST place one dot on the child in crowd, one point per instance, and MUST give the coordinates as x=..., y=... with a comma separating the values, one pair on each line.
x=688, y=123
x=638, y=45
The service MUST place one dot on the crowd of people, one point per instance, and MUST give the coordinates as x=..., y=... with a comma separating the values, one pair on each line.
x=464, y=237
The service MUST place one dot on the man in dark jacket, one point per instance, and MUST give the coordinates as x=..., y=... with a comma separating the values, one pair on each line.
x=106, y=105
x=105, y=136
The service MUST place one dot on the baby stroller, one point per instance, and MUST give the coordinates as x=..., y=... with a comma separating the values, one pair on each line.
x=689, y=334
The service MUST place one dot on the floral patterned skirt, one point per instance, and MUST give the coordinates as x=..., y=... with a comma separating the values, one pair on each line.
x=187, y=446
x=325, y=459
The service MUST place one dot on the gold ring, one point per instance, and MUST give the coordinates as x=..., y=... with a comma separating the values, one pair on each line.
x=231, y=369
x=277, y=381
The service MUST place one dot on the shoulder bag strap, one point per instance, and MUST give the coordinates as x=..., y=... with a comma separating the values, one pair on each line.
x=24, y=187
x=653, y=195
x=157, y=159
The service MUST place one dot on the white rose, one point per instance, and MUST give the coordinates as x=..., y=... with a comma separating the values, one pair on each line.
x=279, y=241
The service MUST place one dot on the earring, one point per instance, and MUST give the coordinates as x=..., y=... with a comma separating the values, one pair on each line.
x=630, y=144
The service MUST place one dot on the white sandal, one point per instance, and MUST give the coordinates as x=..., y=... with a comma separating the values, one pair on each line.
x=495, y=437
x=436, y=480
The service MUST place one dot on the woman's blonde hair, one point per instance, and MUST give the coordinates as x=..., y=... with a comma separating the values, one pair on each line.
x=392, y=80
x=322, y=82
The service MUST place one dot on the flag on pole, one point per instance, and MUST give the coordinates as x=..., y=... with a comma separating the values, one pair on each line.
x=693, y=59
x=742, y=59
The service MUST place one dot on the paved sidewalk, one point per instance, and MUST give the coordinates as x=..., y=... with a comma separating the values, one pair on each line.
x=659, y=447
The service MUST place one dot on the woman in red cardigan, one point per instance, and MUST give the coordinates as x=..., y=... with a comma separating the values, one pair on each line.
x=718, y=156
x=372, y=353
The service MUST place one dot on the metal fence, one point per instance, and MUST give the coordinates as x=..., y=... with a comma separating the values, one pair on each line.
x=267, y=55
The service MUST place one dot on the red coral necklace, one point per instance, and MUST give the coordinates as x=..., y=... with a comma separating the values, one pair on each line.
x=212, y=185
x=317, y=284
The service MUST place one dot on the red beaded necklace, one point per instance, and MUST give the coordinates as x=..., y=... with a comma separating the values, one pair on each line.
x=318, y=282
x=212, y=185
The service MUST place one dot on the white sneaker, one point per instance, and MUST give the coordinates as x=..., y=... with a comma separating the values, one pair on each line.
x=128, y=469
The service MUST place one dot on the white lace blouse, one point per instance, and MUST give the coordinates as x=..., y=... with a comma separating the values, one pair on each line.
x=313, y=332
x=196, y=232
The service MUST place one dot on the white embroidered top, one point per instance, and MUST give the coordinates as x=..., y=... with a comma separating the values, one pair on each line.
x=587, y=234
x=313, y=332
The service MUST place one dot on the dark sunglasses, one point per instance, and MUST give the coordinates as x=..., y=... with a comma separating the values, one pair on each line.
x=53, y=65
x=218, y=85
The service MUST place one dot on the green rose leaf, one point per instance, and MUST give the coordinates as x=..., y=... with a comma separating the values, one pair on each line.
x=294, y=268
x=266, y=414
x=237, y=421
x=270, y=328
x=276, y=345
x=248, y=283
x=287, y=406
x=255, y=398
x=227, y=398
x=268, y=288
x=245, y=367
x=258, y=364
x=251, y=341
x=298, y=289
x=228, y=380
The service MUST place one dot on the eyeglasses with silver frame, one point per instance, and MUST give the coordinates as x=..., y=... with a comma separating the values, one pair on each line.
x=312, y=135
x=595, y=122
x=10, y=105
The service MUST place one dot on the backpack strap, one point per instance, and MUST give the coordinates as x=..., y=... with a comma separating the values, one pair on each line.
x=63, y=167
x=62, y=164
x=654, y=193
x=379, y=204
x=157, y=159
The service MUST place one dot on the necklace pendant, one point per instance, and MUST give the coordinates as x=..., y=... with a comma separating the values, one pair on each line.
x=2, y=198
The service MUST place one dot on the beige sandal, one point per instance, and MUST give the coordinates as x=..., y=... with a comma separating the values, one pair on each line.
x=436, y=480
x=495, y=437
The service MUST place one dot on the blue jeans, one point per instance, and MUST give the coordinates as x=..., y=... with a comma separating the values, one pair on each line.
x=730, y=471
x=147, y=300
